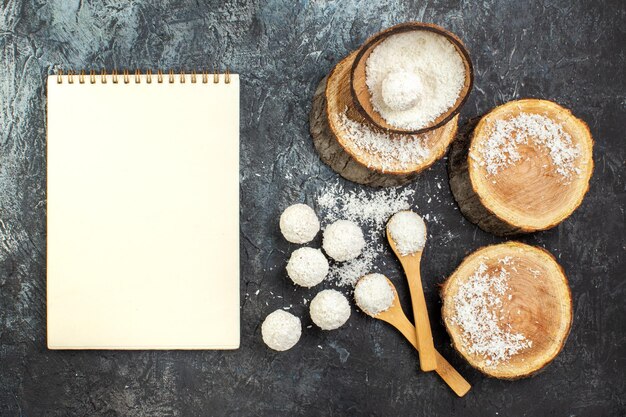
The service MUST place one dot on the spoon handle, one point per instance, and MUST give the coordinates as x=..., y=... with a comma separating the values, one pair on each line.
x=427, y=353
x=455, y=380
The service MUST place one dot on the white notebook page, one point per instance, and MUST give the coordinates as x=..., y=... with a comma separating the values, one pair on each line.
x=143, y=214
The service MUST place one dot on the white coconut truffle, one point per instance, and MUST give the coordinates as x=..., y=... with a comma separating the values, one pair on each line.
x=402, y=90
x=373, y=294
x=408, y=232
x=281, y=330
x=343, y=240
x=299, y=223
x=307, y=267
x=329, y=309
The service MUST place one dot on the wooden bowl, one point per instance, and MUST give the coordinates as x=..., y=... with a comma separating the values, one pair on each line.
x=361, y=95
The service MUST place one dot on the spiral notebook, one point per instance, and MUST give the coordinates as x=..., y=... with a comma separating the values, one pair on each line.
x=143, y=211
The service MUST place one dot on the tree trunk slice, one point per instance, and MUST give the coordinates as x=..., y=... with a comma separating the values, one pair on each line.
x=527, y=195
x=338, y=148
x=536, y=304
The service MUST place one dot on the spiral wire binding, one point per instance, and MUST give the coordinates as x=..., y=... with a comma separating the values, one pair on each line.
x=160, y=76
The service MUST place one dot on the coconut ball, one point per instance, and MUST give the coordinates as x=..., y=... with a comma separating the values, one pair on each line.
x=307, y=267
x=299, y=223
x=402, y=90
x=373, y=294
x=281, y=330
x=329, y=309
x=408, y=232
x=343, y=240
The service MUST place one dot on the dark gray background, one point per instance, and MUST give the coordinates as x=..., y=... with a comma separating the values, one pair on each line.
x=569, y=51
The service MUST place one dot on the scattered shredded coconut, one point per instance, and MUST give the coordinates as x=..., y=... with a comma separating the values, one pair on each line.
x=343, y=240
x=307, y=267
x=371, y=210
x=382, y=150
x=281, y=330
x=373, y=294
x=501, y=149
x=476, y=304
x=408, y=231
x=329, y=309
x=299, y=223
x=431, y=58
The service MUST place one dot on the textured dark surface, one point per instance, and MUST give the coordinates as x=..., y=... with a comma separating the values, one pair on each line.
x=569, y=51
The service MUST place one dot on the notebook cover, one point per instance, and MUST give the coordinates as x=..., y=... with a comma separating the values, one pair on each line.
x=143, y=214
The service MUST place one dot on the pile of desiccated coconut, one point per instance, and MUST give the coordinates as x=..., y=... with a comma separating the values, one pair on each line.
x=477, y=307
x=387, y=151
x=370, y=210
x=501, y=149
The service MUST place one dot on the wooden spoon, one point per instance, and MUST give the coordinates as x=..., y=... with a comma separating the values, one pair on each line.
x=411, y=265
x=396, y=317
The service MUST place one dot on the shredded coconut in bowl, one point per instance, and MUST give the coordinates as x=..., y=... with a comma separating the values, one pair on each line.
x=373, y=294
x=408, y=232
x=432, y=59
x=402, y=90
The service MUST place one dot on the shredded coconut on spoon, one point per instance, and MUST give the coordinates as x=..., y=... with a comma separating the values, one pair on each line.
x=373, y=294
x=408, y=232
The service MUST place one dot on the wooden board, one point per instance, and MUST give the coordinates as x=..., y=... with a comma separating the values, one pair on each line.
x=338, y=149
x=528, y=195
x=537, y=304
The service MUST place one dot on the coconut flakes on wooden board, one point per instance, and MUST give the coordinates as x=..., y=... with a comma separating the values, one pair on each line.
x=389, y=152
x=476, y=308
x=501, y=149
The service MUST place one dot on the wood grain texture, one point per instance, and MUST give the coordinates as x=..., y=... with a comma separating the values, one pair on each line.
x=411, y=264
x=528, y=195
x=537, y=305
x=335, y=156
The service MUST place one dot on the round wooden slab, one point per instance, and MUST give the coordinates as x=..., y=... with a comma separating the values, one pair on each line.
x=528, y=194
x=533, y=309
x=344, y=153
